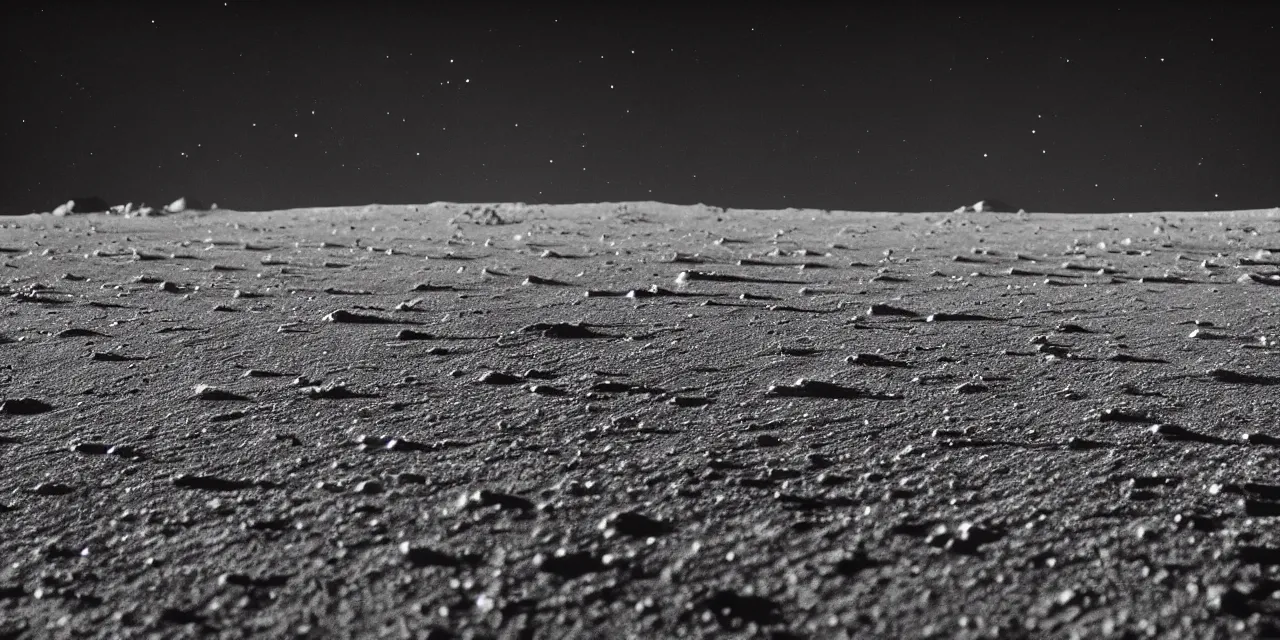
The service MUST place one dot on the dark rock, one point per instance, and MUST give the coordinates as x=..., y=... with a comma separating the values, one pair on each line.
x=207, y=392
x=547, y=390
x=1071, y=328
x=533, y=280
x=486, y=498
x=958, y=317
x=423, y=556
x=410, y=334
x=1265, y=556
x=561, y=330
x=176, y=615
x=568, y=565
x=1261, y=439
x=1235, y=377
x=498, y=378
x=351, y=317
x=1124, y=415
x=1229, y=601
x=873, y=360
x=111, y=356
x=91, y=448
x=853, y=563
x=819, y=461
x=690, y=401
x=51, y=489
x=806, y=388
x=768, y=440
x=79, y=333
x=634, y=524
x=889, y=310
x=209, y=483
x=24, y=407
x=1260, y=508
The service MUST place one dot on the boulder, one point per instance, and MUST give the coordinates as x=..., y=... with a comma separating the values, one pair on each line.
x=988, y=206
x=85, y=204
x=183, y=204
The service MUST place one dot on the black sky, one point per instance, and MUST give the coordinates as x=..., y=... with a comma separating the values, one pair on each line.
x=907, y=106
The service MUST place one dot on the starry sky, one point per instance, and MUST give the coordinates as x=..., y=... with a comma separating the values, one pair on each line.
x=901, y=107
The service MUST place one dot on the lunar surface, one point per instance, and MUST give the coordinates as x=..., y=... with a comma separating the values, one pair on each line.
x=637, y=420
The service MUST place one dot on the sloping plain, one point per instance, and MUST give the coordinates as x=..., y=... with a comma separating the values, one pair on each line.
x=523, y=421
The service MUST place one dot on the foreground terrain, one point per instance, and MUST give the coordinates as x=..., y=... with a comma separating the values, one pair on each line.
x=639, y=420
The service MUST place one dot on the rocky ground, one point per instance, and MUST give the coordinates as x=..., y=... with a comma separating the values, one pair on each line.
x=639, y=420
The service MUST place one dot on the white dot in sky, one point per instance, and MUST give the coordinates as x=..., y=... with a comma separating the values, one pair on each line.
x=1033, y=131
x=295, y=135
x=984, y=155
x=552, y=161
x=468, y=79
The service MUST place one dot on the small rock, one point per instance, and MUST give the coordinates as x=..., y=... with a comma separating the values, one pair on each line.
x=342, y=316
x=208, y=392
x=498, y=378
x=410, y=334
x=368, y=487
x=690, y=401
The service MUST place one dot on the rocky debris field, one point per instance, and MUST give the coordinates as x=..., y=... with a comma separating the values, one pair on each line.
x=639, y=420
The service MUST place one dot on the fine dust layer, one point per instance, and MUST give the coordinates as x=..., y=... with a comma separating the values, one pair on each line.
x=639, y=420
